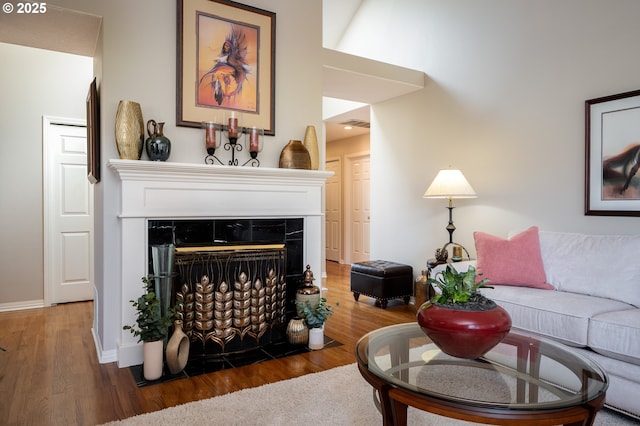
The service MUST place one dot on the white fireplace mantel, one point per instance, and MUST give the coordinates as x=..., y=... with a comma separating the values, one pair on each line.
x=156, y=190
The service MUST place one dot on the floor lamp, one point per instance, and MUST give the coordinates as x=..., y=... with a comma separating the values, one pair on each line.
x=450, y=183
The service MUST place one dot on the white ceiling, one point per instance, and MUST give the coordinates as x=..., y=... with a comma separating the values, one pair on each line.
x=69, y=31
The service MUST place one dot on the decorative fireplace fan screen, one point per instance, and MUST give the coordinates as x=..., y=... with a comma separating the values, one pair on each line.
x=231, y=299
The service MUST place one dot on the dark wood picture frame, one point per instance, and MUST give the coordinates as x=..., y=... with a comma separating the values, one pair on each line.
x=612, y=155
x=93, y=134
x=203, y=29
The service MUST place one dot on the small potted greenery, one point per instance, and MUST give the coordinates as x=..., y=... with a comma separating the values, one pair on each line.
x=460, y=287
x=459, y=320
x=152, y=328
x=314, y=318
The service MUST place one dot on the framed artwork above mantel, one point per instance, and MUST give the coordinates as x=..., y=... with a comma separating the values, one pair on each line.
x=612, y=155
x=225, y=64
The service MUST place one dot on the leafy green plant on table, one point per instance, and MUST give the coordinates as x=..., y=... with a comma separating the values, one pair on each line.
x=150, y=325
x=457, y=287
x=315, y=318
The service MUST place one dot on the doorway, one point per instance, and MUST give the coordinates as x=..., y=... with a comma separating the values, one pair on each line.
x=68, y=213
x=333, y=211
x=357, y=209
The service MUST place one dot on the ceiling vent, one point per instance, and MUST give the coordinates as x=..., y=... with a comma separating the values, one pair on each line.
x=357, y=123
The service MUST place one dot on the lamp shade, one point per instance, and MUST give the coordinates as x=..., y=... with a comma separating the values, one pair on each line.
x=450, y=184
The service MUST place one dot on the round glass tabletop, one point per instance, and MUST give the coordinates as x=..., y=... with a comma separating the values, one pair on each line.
x=523, y=372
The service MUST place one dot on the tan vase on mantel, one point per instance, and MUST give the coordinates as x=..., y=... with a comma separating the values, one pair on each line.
x=295, y=156
x=129, y=131
x=310, y=142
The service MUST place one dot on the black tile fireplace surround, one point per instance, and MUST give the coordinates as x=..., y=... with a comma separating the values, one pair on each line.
x=212, y=232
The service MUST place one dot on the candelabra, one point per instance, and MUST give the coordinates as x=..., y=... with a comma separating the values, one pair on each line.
x=232, y=132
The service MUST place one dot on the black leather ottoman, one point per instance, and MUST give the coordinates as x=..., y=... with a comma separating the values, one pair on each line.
x=383, y=280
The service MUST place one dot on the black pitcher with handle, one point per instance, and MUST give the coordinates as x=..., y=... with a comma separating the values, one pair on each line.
x=158, y=146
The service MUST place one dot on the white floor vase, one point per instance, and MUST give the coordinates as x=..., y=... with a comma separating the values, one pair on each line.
x=153, y=359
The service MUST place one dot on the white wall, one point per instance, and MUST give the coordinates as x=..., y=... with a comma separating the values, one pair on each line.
x=504, y=103
x=33, y=83
x=138, y=62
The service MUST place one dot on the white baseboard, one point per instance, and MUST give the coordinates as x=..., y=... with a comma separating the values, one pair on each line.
x=104, y=357
x=129, y=355
x=19, y=306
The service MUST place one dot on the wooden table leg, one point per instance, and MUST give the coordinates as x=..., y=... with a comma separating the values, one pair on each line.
x=385, y=403
x=399, y=413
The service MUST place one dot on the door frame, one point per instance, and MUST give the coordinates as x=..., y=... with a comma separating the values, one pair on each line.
x=347, y=177
x=47, y=205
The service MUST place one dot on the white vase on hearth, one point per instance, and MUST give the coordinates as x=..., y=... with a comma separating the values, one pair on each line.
x=316, y=338
x=153, y=360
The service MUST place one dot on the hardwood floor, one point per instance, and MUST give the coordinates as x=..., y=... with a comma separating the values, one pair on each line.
x=50, y=373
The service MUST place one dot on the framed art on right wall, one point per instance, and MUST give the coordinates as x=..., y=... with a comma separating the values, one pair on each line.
x=612, y=155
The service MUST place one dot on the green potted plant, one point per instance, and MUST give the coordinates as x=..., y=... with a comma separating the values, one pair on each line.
x=314, y=318
x=152, y=328
x=459, y=320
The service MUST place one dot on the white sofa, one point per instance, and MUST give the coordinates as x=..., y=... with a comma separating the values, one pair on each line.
x=594, y=305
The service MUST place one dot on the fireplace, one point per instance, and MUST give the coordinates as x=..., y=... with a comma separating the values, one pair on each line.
x=158, y=195
x=252, y=267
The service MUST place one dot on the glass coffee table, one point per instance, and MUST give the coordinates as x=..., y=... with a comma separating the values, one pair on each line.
x=524, y=380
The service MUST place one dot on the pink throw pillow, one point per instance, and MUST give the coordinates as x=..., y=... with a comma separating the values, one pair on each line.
x=516, y=261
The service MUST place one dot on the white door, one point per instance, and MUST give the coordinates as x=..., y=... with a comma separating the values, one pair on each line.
x=333, y=210
x=68, y=199
x=360, y=214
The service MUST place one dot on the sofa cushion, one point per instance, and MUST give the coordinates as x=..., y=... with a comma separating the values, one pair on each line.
x=515, y=261
x=598, y=265
x=616, y=335
x=556, y=314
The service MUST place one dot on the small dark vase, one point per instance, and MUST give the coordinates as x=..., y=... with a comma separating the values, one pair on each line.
x=158, y=145
x=464, y=333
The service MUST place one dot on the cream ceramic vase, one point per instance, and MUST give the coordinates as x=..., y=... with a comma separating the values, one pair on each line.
x=153, y=357
x=129, y=131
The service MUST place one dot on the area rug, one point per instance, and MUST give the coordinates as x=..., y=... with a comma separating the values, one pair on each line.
x=339, y=396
